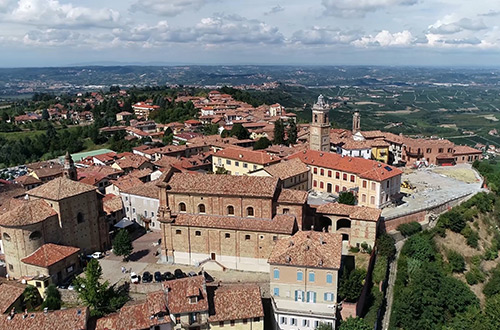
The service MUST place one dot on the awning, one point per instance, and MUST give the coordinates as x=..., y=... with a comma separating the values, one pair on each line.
x=124, y=223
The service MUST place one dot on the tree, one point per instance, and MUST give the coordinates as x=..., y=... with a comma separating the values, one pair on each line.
x=240, y=132
x=456, y=261
x=45, y=114
x=52, y=298
x=386, y=246
x=351, y=284
x=31, y=297
x=324, y=326
x=355, y=324
x=210, y=129
x=221, y=170
x=122, y=244
x=347, y=197
x=261, y=143
x=291, y=132
x=279, y=132
x=91, y=291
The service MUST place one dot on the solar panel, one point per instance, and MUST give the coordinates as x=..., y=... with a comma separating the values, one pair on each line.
x=388, y=168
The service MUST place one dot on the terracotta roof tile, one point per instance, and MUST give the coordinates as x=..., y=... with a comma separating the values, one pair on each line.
x=309, y=249
x=112, y=203
x=67, y=319
x=287, y=169
x=364, y=168
x=27, y=180
x=292, y=196
x=465, y=150
x=237, y=302
x=150, y=190
x=49, y=254
x=178, y=295
x=351, y=211
x=126, y=182
x=9, y=293
x=246, y=155
x=280, y=224
x=27, y=213
x=220, y=184
x=60, y=188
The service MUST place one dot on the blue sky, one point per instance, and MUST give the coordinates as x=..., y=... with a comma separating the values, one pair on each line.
x=366, y=32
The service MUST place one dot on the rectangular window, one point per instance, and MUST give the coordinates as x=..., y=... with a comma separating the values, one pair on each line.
x=247, y=237
x=388, y=184
x=353, y=178
x=373, y=186
x=255, y=167
x=329, y=173
x=293, y=321
x=283, y=320
x=178, y=232
x=429, y=150
x=256, y=319
x=337, y=175
x=300, y=276
x=221, y=324
x=245, y=165
x=322, y=172
x=128, y=209
x=363, y=198
x=237, y=164
x=315, y=183
x=344, y=177
x=305, y=323
x=245, y=321
x=152, y=214
x=133, y=210
x=145, y=214
x=228, y=162
x=372, y=200
x=337, y=188
x=329, y=278
x=315, y=170
x=299, y=295
x=321, y=185
x=227, y=235
x=276, y=274
x=328, y=296
x=312, y=277
x=232, y=323
x=311, y=296
x=276, y=292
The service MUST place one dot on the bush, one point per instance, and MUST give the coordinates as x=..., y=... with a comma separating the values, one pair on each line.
x=351, y=284
x=492, y=287
x=380, y=269
x=354, y=249
x=471, y=236
x=474, y=276
x=408, y=229
x=490, y=254
x=420, y=247
x=456, y=261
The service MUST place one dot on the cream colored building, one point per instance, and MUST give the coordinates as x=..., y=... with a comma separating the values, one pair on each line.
x=240, y=161
x=141, y=204
x=293, y=173
x=375, y=184
x=304, y=280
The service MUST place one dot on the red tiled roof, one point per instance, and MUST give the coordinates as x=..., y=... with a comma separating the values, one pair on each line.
x=292, y=196
x=220, y=184
x=466, y=150
x=66, y=319
x=364, y=168
x=150, y=190
x=27, y=180
x=237, y=302
x=246, y=155
x=112, y=203
x=309, y=249
x=9, y=293
x=49, y=254
x=287, y=169
x=351, y=211
x=27, y=213
x=60, y=188
x=280, y=224
x=179, y=292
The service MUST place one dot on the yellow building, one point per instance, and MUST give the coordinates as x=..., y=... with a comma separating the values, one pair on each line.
x=304, y=280
x=240, y=161
x=380, y=151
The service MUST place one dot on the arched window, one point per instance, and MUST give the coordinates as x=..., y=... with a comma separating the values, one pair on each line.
x=6, y=236
x=201, y=208
x=79, y=217
x=230, y=210
x=250, y=211
x=35, y=235
x=182, y=207
x=315, y=118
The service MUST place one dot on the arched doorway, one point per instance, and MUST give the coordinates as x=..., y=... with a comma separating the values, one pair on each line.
x=329, y=187
x=323, y=224
x=343, y=223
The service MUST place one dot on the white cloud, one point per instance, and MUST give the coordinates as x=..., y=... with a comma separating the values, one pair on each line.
x=274, y=10
x=321, y=35
x=52, y=13
x=359, y=8
x=385, y=38
x=167, y=7
x=446, y=26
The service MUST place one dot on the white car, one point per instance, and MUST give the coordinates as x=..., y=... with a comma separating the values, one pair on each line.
x=134, y=278
x=97, y=255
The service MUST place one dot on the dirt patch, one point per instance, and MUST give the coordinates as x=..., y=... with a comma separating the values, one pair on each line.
x=456, y=242
x=362, y=260
x=490, y=117
x=462, y=174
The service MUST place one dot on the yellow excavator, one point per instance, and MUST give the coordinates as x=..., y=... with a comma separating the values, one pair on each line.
x=407, y=187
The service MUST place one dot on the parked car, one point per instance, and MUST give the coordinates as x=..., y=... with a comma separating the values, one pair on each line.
x=168, y=276
x=134, y=278
x=97, y=255
x=158, y=277
x=147, y=277
x=179, y=273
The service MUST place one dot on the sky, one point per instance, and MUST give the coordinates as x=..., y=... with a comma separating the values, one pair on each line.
x=312, y=32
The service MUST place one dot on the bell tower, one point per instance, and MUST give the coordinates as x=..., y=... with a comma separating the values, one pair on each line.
x=319, y=136
x=356, y=122
x=69, y=170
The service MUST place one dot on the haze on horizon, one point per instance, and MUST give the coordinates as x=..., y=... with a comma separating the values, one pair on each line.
x=325, y=32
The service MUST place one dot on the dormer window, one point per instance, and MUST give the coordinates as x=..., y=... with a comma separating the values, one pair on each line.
x=193, y=300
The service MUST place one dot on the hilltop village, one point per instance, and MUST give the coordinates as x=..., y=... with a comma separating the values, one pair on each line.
x=286, y=221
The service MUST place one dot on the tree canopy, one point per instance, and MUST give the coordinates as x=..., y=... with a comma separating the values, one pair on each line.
x=122, y=244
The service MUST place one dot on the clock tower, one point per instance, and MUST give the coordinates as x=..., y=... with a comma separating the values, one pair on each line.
x=319, y=136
